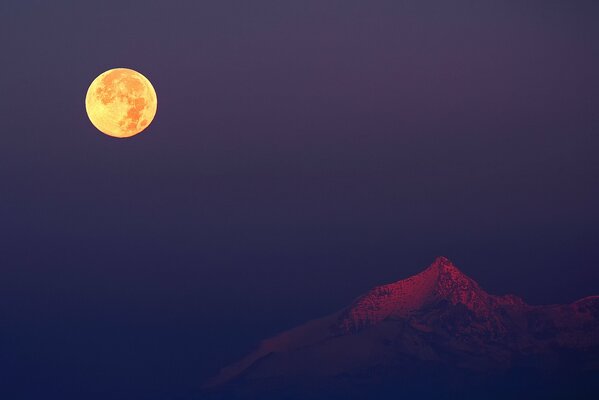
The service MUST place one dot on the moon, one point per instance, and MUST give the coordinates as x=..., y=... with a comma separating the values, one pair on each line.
x=121, y=102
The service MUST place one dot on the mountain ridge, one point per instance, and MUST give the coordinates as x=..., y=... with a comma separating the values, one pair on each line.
x=441, y=280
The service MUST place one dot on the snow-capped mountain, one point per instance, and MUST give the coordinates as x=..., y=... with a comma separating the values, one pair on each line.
x=438, y=320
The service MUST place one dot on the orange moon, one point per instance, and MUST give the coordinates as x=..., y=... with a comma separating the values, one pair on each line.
x=121, y=102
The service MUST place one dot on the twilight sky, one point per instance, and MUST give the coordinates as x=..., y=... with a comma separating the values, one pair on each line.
x=303, y=152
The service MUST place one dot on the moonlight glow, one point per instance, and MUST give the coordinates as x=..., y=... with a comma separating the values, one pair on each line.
x=121, y=102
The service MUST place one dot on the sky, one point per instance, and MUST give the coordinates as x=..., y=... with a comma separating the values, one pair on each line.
x=302, y=153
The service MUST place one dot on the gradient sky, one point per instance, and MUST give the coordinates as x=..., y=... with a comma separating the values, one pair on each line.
x=303, y=152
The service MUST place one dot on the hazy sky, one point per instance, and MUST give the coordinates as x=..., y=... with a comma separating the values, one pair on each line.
x=303, y=152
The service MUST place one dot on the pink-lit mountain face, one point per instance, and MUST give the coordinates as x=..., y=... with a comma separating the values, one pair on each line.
x=439, y=320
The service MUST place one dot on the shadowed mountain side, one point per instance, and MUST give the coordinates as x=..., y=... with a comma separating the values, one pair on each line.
x=435, y=328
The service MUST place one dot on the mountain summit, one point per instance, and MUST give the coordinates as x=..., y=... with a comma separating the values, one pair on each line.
x=442, y=281
x=438, y=323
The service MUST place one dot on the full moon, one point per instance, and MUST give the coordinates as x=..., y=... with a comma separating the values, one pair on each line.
x=121, y=102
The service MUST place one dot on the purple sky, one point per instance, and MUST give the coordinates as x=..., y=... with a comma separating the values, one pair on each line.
x=302, y=153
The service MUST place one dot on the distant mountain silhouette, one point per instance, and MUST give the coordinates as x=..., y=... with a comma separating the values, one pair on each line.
x=434, y=334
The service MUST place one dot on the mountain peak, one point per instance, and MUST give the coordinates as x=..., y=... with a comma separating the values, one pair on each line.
x=443, y=262
x=442, y=265
x=440, y=281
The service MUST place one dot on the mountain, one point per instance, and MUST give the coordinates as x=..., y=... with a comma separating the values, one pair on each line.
x=433, y=334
